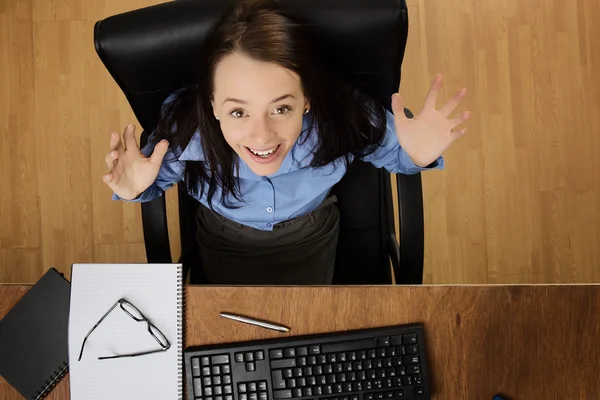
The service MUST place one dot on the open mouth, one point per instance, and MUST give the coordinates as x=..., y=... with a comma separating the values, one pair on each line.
x=263, y=156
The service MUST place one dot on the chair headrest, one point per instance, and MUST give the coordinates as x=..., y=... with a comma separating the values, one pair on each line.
x=151, y=52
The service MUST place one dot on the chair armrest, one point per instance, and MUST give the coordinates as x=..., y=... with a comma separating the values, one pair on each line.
x=412, y=231
x=154, y=224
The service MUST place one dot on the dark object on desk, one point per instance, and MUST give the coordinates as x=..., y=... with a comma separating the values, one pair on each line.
x=34, y=337
x=368, y=364
x=152, y=51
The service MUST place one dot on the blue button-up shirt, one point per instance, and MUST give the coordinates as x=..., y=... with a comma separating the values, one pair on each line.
x=295, y=190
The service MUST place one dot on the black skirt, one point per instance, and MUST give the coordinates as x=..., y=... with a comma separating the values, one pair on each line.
x=300, y=251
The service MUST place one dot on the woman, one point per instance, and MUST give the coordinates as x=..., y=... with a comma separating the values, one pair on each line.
x=262, y=138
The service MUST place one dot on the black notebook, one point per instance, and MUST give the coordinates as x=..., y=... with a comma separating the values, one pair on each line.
x=33, y=337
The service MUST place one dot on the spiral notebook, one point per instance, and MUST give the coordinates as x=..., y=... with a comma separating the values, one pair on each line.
x=156, y=290
x=33, y=337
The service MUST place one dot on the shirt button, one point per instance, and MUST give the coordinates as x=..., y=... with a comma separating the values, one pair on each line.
x=269, y=209
x=269, y=225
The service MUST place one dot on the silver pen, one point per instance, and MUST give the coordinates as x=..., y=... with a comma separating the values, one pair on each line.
x=252, y=321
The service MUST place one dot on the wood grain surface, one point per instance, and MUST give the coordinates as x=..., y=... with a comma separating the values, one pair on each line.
x=528, y=342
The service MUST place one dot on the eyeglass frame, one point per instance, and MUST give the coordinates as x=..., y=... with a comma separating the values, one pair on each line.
x=164, y=347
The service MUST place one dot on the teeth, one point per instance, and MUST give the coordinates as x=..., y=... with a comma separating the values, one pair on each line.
x=264, y=153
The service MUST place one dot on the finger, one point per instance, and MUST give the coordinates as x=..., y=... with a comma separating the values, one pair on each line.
x=398, y=106
x=115, y=141
x=460, y=118
x=111, y=158
x=451, y=105
x=129, y=138
x=159, y=152
x=108, y=178
x=459, y=133
x=434, y=91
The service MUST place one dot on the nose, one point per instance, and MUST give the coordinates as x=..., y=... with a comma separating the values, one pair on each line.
x=262, y=131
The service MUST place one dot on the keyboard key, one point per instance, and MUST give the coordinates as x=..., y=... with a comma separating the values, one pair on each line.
x=407, y=380
x=242, y=388
x=197, y=386
x=227, y=379
x=381, y=352
x=371, y=353
x=262, y=386
x=221, y=359
x=352, y=356
x=302, y=351
x=252, y=387
x=409, y=339
x=349, y=345
x=379, y=396
x=216, y=380
x=322, y=359
x=371, y=374
x=318, y=390
x=217, y=390
x=195, y=366
x=390, y=372
x=410, y=359
x=262, y=396
x=417, y=379
x=208, y=391
x=396, y=382
x=390, y=351
x=297, y=372
x=205, y=361
x=250, y=367
x=368, y=364
x=311, y=360
x=342, y=357
x=389, y=395
x=369, y=396
x=330, y=379
x=301, y=382
x=289, y=352
x=412, y=349
x=207, y=381
x=287, y=373
x=239, y=357
x=219, y=398
x=297, y=392
x=277, y=378
x=229, y=397
x=347, y=367
x=216, y=370
x=383, y=341
x=307, y=391
x=277, y=353
x=322, y=380
x=302, y=361
x=341, y=378
x=401, y=371
x=347, y=387
x=313, y=350
x=205, y=371
x=328, y=369
x=357, y=386
x=378, y=363
x=413, y=369
x=291, y=383
x=352, y=377
x=328, y=389
x=419, y=390
x=282, y=394
x=307, y=371
x=397, y=361
x=361, y=375
x=259, y=355
x=377, y=384
x=338, y=368
x=399, y=393
x=331, y=358
x=284, y=363
x=388, y=383
x=312, y=381
x=401, y=350
x=253, y=396
x=381, y=373
x=362, y=355
x=396, y=340
x=248, y=357
x=318, y=370
x=337, y=388
x=387, y=362
x=243, y=396
x=227, y=389
x=225, y=369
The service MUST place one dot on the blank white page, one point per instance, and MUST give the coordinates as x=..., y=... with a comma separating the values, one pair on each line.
x=155, y=289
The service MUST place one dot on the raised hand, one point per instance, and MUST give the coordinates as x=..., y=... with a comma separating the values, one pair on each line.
x=426, y=136
x=130, y=172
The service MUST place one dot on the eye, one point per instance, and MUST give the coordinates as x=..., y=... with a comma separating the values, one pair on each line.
x=238, y=113
x=283, y=110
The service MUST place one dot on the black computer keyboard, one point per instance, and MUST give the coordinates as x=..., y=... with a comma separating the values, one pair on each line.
x=368, y=364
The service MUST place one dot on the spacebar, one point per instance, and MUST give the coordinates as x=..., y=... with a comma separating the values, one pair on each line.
x=361, y=344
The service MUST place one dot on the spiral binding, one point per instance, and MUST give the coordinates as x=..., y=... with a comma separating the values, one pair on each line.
x=52, y=381
x=180, y=330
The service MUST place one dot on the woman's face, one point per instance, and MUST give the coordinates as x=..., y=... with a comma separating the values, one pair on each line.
x=260, y=107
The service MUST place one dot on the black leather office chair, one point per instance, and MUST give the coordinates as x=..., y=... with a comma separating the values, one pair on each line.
x=152, y=51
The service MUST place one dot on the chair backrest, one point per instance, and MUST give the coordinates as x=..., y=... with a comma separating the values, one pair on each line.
x=152, y=51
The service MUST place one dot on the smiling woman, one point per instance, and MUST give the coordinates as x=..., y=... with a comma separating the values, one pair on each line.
x=260, y=140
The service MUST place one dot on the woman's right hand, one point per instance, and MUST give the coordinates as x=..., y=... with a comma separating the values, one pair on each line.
x=130, y=172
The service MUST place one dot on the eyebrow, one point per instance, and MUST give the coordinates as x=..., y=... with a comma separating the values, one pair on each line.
x=285, y=96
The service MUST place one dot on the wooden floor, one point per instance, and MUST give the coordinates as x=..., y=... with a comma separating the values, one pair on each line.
x=519, y=201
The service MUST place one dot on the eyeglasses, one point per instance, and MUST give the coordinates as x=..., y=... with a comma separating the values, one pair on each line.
x=137, y=315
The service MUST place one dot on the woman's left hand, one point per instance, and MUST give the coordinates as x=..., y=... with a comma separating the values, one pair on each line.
x=426, y=136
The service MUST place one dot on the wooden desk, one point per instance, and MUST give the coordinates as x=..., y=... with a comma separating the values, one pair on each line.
x=528, y=342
